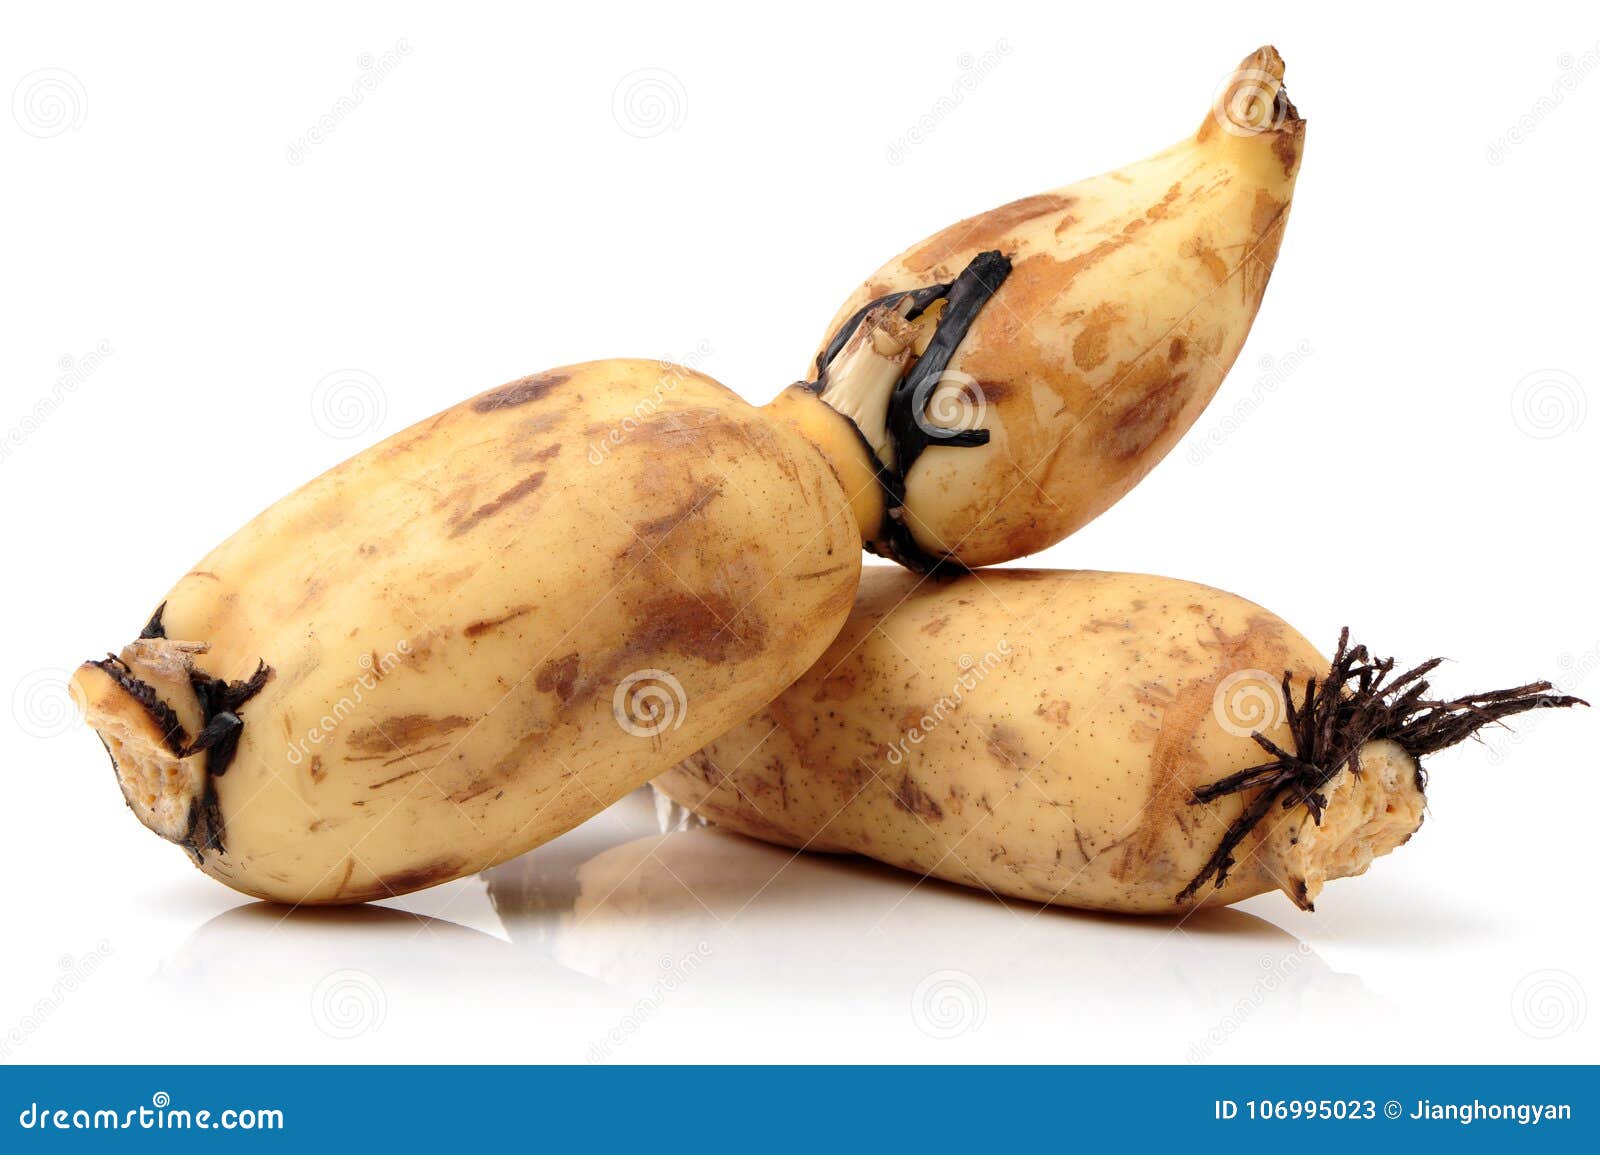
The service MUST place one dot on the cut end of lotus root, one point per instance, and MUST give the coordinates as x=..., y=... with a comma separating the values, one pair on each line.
x=1369, y=814
x=144, y=708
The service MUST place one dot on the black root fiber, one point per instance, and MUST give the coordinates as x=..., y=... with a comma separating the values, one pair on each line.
x=1360, y=700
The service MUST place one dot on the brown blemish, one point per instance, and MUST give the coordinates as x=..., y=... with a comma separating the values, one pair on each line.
x=985, y=231
x=934, y=628
x=417, y=878
x=397, y=778
x=1005, y=745
x=1057, y=711
x=507, y=499
x=1142, y=422
x=709, y=627
x=519, y=392
x=1178, y=350
x=558, y=676
x=1093, y=343
x=317, y=772
x=402, y=731
x=484, y=625
x=913, y=799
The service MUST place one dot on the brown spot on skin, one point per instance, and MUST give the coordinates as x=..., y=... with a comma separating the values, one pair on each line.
x=507, y=499
x=558, y=676
x=985, y=231
x=344, y=881
x=483, y=625
x=1178, y=350
x=1142, y=422
x=699, y=497
x=934, y=628
x=1005, y=745
x=483, y=786
x=1093, y=343
x=317, y=772
x=1286, y=147
x=402, y=731
x=913, y=799
x=396, y=778
x=814, y=574
x=709, y=627
x=417, y=878
x=519, y=392
x=1057, y=711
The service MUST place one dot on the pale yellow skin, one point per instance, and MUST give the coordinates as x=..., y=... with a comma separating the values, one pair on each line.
x=448, y=616
x=1039, y=734
x=1130, y=297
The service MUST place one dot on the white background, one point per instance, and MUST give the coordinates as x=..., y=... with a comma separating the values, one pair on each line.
x=513, y=195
